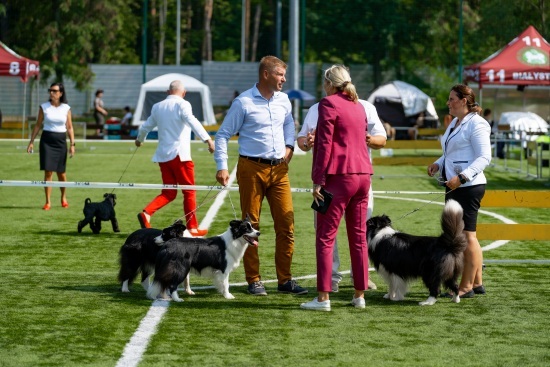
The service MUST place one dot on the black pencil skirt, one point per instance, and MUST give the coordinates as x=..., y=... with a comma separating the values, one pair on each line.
x=53, y=151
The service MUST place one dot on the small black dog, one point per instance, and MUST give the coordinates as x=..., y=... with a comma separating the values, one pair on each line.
x=140, y=251
x=104, y=210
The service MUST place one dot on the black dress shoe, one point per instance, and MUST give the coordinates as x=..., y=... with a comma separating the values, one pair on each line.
x=469, y=294
x=479, y=290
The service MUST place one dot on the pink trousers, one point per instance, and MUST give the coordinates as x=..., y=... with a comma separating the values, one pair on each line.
x=350, y=198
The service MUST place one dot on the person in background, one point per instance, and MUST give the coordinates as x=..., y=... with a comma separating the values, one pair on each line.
x=466, y=153
x=262, y=117
x=55, y=116
x=375, y=138
x=341, y=166
x=173, y=117
x=390, y=131
x=99, y=111
x=419, y=122
x=126, y=120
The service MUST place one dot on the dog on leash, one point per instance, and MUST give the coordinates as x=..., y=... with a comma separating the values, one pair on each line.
x=400, y=258
x=215, y=257
x=139, y=253
x=94, y=213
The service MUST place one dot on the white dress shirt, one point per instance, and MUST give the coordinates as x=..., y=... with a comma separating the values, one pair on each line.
x=264, y=126
x=174, y=119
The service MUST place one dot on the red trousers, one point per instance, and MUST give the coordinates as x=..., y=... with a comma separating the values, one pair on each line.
x=176, y=172
x=256, y=181
x=350, y=198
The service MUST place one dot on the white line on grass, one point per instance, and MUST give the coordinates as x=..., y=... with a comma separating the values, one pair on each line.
x=133, y=351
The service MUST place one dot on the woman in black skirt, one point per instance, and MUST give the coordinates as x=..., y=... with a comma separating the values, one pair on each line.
x=55, y=115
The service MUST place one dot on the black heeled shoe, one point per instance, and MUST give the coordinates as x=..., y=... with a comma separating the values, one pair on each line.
x=479, y=290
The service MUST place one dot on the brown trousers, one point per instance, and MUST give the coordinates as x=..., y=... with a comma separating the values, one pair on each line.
x=256, y=181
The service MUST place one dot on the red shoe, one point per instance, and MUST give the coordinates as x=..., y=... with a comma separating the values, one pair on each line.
x=197, y=232
x=46, y=207
x=144, y=219
x=64, y=204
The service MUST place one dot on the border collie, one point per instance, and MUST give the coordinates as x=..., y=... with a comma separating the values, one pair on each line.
x=400, y=258
x=215, y=257
x=140, y=250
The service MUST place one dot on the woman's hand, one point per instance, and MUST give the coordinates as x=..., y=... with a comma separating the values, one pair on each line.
x=30, y=147
x=71, y=151
x=317, y=193
x=433, y=169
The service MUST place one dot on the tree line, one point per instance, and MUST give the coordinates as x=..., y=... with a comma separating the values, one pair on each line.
x=412, y=40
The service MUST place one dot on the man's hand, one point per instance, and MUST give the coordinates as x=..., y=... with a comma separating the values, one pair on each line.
x=222, y=176
x=210, y=145
x=288, y=155
x=138, y=143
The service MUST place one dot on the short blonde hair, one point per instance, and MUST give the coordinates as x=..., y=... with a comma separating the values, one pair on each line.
x=269, y=63
x=337, y=76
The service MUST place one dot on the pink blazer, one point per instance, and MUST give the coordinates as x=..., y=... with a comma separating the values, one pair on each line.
x=340, y=146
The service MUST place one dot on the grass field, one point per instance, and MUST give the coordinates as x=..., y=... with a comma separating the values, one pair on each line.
x=62, y=305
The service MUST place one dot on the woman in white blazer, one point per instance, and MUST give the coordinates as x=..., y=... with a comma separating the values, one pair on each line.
x=466, y=152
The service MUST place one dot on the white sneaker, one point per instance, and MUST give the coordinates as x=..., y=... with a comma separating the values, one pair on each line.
x=316, y=305
x=372, y=285
x=358, y=302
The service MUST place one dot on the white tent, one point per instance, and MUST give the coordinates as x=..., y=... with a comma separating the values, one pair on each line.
x=198, y=94
x=396, y=102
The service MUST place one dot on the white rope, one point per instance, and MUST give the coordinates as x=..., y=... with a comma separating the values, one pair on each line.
x=133, y=185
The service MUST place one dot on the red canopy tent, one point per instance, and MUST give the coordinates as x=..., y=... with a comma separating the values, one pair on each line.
x=523, y=61
x=12, y=64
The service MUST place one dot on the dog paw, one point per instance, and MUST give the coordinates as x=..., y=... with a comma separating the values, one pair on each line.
x=229, y=296
x=117, y=230
x=456, y=299
x=429, y=302
x=387, y=296
x=189, y=291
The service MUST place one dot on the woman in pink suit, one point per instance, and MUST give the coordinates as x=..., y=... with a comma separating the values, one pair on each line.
x=341, y=165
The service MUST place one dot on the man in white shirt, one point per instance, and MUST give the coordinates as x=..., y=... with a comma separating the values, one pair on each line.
x=375, y=139
x=174, y=120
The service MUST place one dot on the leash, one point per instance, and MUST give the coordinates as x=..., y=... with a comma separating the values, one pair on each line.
x=125, y=169
x=422, y=206
x=207, y=199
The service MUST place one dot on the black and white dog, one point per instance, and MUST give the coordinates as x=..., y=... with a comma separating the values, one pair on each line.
x=215, y=257
x=400, y=258
x=94, y=213
x=140, y=250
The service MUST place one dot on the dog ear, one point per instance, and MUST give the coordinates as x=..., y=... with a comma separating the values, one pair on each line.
x=106, y=195
x=114, y=196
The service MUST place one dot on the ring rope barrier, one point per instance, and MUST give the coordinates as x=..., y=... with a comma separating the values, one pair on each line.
x=133, y=185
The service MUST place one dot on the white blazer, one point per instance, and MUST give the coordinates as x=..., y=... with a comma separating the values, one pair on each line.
x=466, y=149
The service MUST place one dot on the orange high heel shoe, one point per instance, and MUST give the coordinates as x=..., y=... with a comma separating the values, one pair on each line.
x=46, y=207
x=64, y=204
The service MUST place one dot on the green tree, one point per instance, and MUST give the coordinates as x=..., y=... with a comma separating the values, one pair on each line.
x=67, y=35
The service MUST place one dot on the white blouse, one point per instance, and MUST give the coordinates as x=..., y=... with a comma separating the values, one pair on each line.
x=55, y=118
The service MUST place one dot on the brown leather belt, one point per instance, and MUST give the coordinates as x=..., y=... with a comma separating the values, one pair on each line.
x=271, y=162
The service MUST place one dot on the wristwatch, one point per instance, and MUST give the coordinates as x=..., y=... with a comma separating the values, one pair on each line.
x=291, y=147
x=73, y=144
x=462, y=179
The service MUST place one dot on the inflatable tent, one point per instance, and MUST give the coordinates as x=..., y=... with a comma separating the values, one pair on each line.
x=400, y=103
x=198, y=94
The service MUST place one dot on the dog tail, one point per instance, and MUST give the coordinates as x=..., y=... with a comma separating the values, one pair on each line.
x=452, y=225
x=87, y=201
